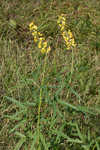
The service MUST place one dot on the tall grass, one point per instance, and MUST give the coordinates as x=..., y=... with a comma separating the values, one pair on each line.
x=49, y=101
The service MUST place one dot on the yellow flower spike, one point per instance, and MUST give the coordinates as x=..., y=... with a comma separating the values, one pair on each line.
x=38, y=37
x=67, y=35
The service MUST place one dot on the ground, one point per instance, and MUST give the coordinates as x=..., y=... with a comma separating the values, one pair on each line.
x=49, y=101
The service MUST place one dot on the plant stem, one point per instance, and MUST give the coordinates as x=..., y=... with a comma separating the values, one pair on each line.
x=40, y=99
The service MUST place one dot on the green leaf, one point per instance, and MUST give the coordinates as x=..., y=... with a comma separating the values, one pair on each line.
x=15, y=116
x=35, y=135
x=20, y=124
x=20, y=143
x=18, y=103
x=20, y=134
x=80, y=134
x=98, y=147
x=46, y=145
x=12, y=23
x=61, y=134
x=78, y=108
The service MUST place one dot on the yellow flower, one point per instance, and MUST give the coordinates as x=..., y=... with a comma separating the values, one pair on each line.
x=35, y=33
x=38, y=37
x=40, y=44
x=67, y=35
x=42, y=38
x=31, y=24
x=70, y=34
x=63, y=23
x=40, y=34
x=45, y=44
x=35, y=39
x=33, y=28
x=62, y=28
x=48, y=49
x=43, y=50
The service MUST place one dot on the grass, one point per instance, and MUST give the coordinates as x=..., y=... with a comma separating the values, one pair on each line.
x=52, y=104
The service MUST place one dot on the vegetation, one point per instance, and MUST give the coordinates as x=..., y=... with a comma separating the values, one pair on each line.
x=50, y=101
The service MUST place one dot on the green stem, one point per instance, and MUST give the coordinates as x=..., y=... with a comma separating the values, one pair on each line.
x=72, y=68
x=40, y=101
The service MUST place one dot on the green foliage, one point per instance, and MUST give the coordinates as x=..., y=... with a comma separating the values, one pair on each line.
x=67, y=90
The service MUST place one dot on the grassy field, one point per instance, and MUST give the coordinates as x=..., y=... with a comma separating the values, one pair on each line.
x=49, y=101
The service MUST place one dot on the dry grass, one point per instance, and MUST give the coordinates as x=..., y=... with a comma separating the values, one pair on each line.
x=69, y=113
